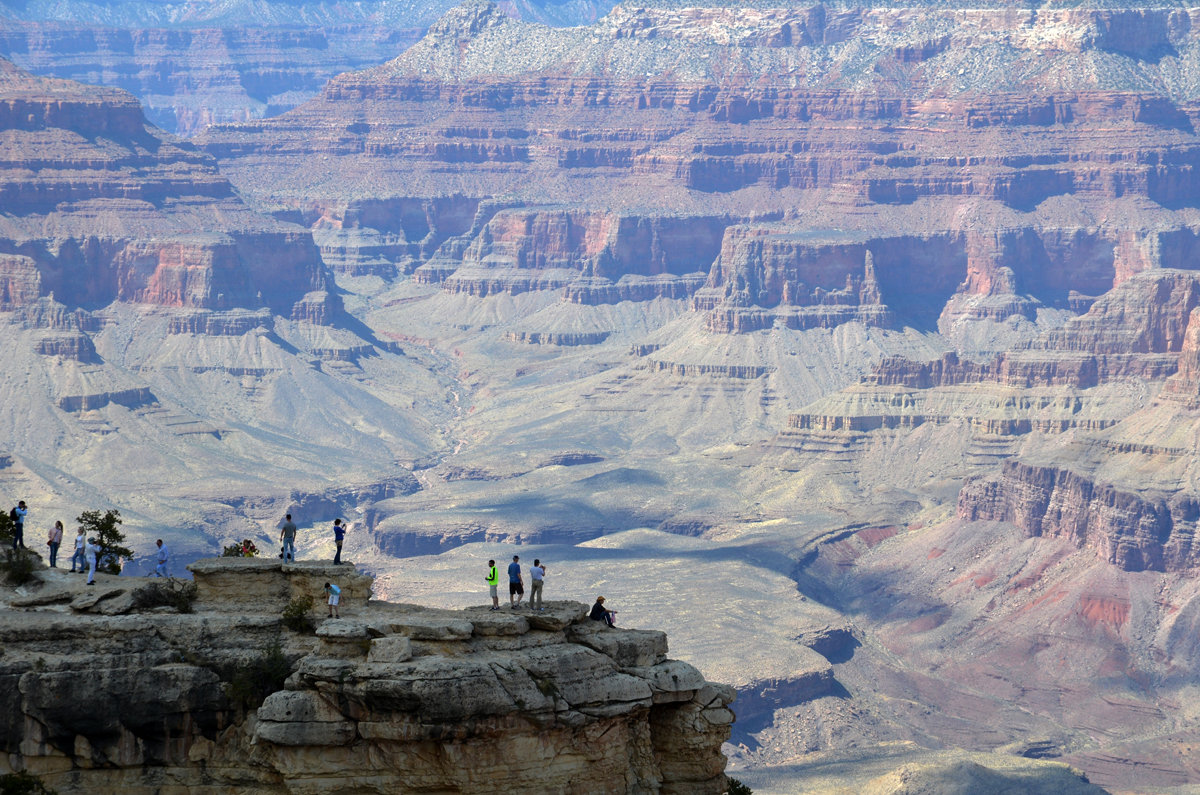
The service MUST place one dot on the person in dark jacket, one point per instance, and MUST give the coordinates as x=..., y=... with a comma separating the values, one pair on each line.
x=601, y=613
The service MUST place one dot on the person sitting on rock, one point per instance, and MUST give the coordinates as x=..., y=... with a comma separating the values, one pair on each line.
x=335, y=594
x=601, y=613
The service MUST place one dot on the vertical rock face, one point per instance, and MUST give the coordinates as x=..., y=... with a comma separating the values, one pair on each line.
x=102, y=207
x=661, y=122
x=389, y=698
x=1133, y=531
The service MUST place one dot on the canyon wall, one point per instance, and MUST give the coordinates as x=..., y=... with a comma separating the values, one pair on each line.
x=102, y=207
x=624, y=149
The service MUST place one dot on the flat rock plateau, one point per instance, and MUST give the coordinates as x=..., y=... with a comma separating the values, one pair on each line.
x=856, y=347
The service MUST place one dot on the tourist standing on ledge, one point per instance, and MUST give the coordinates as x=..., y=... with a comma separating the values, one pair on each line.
x=537, y=575
x=335, y=596
x=80, y=554
x=93, y=552
x=17, y=515
x=288, y=536
x=493, y=581
x=601, y=613
x=161, y=569
x=516, y=586
x=339, y=535
x=54, y=541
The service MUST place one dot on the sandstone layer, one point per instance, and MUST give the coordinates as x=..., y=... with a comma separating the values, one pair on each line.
x=389, y=697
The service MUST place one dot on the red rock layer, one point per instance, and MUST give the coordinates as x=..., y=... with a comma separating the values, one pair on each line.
x=1133, y=531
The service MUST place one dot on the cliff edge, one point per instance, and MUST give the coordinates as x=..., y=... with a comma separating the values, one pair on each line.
x=108, y=694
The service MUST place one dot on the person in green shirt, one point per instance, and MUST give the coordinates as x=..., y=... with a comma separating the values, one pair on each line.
x=493, y=581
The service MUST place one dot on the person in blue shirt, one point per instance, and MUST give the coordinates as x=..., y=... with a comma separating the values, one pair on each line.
x=335, y=595
x=339, y=535
x=516, y=586
x=18, y=517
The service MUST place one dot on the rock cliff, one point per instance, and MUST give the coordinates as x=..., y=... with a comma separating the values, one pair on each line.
x=388, y=698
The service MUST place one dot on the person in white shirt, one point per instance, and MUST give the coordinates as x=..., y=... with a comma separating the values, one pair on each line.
x=161, y=569
x=92, y=550
x=537, y=576
x=78, y=556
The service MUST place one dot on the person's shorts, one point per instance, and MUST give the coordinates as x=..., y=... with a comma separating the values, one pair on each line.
x=334, y=597
x=495, y=590
x=515, y=587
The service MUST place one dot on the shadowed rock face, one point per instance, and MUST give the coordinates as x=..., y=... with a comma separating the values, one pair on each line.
x=102, y=207
x=655, y=129
x=388, y=698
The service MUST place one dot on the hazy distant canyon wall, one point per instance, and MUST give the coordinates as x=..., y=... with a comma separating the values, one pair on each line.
x=780, y=163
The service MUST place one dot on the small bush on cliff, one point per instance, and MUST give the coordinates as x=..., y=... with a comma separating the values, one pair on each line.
x=296, y=615
x=171, y=592
x=735, y=787
x=18, y=566
x=6, y=529
x=253, y=682
x=23, y=784
x=104, y=528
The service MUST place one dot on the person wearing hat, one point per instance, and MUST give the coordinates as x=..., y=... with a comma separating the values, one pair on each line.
x=93, y=552
x=601, y=613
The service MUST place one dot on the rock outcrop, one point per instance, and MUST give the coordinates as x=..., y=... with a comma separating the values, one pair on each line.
x=388, y=698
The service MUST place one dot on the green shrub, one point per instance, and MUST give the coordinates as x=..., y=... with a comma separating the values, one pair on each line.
x=170, y=592
x=296, y=615
x=6, y=528
x=253, y=682
x=735, y=787
x=103, y=528
x=23, y=783
x=18, y=566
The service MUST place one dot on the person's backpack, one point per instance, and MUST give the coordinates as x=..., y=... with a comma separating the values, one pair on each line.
x=14, y=515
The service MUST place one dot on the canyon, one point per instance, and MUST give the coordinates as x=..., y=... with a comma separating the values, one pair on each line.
x=857, y=348
x=192, y=64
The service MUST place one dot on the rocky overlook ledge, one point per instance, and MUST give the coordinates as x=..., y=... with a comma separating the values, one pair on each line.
x=105, y=696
